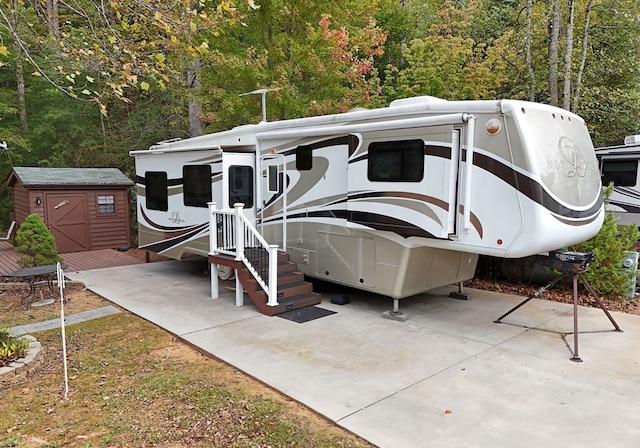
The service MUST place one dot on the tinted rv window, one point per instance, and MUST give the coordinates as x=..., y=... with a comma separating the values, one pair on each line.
x=197, y=185
x=155, y=187
x=241, y=185
x=401, y=161
x=304, y=158
x=622, y=173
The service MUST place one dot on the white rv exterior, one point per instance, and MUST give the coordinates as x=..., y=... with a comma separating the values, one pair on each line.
x=619, y=165
x=396, y=201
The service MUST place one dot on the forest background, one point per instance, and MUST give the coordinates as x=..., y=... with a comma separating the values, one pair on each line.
x=83, y=82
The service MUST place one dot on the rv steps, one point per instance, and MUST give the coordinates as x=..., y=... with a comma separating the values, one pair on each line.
x=293, y=291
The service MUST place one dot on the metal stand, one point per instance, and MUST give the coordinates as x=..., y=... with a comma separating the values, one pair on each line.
x=460, y=294
x=576, y=270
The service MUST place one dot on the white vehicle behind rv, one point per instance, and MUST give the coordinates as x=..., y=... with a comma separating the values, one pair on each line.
x=619, y=165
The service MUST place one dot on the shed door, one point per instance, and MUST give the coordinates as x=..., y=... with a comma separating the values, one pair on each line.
x=68, y=221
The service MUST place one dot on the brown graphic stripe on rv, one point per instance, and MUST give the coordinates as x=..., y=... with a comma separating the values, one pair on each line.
x=168, y=229
x=423, y=198
x=388, y=223
x=350, y=140
x=372, y=220
x=429, y=150
x=163, y=245
x=532, y=189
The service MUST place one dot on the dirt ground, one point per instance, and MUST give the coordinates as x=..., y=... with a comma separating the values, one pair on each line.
x=558, y=293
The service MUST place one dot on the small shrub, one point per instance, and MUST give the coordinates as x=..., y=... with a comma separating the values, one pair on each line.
x=11, y=348
x=35, y=243
x=610, y=245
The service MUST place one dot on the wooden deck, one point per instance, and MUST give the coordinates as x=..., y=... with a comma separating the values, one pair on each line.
x=75, y=261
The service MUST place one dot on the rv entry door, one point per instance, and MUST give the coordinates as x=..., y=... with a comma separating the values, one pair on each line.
x=239, y=183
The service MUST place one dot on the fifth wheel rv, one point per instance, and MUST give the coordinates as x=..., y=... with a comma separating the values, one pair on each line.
x=619, y=165
x=396, y=201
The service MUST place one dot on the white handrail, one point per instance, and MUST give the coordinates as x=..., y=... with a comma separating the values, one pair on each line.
x=230, y=232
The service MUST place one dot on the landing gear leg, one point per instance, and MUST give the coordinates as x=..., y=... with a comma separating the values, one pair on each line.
x=460, y=294
x=395, y=314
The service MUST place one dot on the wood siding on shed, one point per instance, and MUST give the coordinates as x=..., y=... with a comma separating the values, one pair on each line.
x=106, y=231
x=21, y=203
x=111, y=230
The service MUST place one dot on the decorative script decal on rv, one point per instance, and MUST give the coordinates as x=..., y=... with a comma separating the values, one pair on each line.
x=577, y=164
x=175, y=218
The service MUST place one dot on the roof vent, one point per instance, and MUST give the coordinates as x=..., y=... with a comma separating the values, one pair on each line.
x=632, y=140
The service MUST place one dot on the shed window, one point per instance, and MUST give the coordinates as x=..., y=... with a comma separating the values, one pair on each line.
x=155, y=183
x=197, y=185
x=623, y=173
x=396, y=161
x=304, y=158
x=241, y=185
x=106, y=204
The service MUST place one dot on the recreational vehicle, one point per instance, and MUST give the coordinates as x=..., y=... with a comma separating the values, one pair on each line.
x=396, y=201
x=619, y=165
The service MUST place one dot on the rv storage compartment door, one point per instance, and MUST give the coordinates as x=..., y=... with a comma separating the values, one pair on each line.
x=346, y=258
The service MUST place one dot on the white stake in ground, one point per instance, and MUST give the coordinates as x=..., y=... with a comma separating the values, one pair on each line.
x=64, y=337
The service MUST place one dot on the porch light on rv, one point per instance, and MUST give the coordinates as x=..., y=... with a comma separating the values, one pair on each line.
x=493, y=126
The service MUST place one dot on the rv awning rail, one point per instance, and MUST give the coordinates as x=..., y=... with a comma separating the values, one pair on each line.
x=400, y=123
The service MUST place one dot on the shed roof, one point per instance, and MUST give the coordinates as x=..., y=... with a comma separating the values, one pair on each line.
x=30, y=176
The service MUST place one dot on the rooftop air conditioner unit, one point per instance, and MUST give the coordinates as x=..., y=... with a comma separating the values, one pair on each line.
x=632, y=140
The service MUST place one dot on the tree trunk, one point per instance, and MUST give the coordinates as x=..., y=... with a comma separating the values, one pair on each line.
x=568, y=50
x=527, y=48
x=554, y=37
x=583, y=58
x=22, y=101
x=52, y=19
x=196, y=126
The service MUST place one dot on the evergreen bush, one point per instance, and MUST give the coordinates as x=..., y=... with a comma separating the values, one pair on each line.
x=35, y=243
x=610, y=245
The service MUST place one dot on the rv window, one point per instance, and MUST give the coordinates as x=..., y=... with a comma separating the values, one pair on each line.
x=400, y=161
x=241, y=185
x=304, y=158
x=623, y=173
x=197, y=185
x=155, y=183
x=273, y=179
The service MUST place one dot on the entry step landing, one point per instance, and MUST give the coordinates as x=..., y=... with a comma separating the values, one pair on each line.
x=293, y=291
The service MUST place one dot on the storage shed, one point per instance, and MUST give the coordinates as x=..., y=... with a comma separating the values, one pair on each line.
x=84, y=208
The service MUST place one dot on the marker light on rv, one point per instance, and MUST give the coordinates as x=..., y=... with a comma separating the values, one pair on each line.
x=493, y=126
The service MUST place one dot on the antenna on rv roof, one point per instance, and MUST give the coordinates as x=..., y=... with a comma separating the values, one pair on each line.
x=264, y=100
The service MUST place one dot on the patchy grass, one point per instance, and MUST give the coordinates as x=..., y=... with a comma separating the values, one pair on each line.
x=133, y=384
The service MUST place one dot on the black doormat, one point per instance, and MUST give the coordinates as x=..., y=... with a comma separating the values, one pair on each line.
x=306, y=314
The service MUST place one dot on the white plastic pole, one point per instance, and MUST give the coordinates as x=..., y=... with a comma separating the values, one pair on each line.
x=239, y=232
x=60, y=273
x=273, y=275
x=213, y=249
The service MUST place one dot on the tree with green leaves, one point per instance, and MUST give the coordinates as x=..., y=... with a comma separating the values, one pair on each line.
x=320, y=58
x=448, y=63
x=610, y=246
